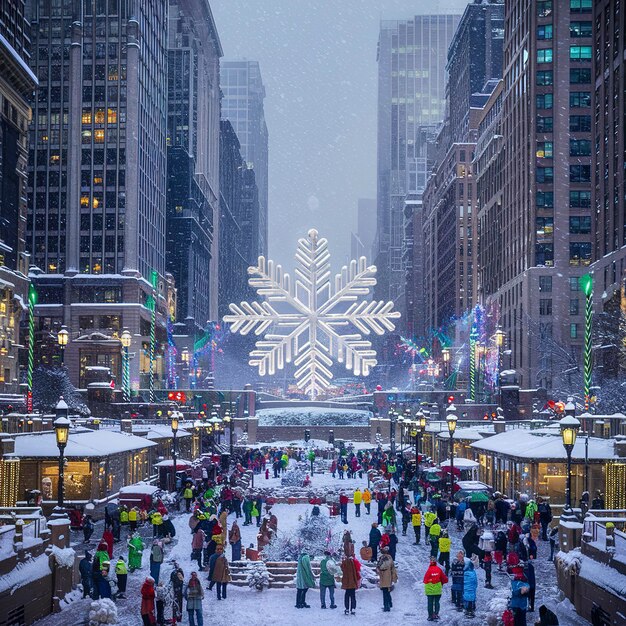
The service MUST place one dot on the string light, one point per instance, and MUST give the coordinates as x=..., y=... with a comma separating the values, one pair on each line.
x=615, y=481
x=9, y=481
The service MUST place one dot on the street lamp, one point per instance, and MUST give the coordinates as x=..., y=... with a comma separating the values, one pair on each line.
x=175, y=417
x=392, y=430
x=228, y=420
x=63, y=338
x=499, y=339
x=569, y=426
x=126, y=340
x=451, y=419
x=62, y=431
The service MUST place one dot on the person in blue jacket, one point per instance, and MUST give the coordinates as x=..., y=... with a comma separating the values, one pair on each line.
x=470, y=584
x=529, y=573
x=519, y=596
x=457, y=571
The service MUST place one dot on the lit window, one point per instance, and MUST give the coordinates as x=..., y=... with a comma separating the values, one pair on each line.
x=544, y=55
x=84, y=201
x=86, y=118
x=99, y=116
x=112, y=116
x=98, y=136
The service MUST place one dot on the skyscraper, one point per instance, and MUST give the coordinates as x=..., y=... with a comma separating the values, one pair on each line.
x=98, y=177
x=411, y=94
x=242, y=106
x=546, y=235
x=193, y=140
x=362, y=239
x=17, y=83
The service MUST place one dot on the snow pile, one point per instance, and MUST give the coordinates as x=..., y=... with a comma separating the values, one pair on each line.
x=258, y=575
x=25, y=573
x=64, y=557
x=312, y=416
x=102, y=611
x=313, y=535
x=608, y=578
x=570, y=561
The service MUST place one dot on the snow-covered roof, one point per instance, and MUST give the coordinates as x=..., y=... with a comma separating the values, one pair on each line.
x=80, y=444
x=543, y=444
x=460, y=463
x=157, y=431
x=140, y=488
x=469, y=434
x=180, y=463
x=312, y=416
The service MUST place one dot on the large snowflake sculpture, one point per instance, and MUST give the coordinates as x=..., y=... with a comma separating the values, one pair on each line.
x=308, y=321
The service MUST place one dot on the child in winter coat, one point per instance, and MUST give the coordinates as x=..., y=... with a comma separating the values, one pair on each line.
x=162, y=598
x=470, y=583
x=434, y=579
x=444, y=550
x=487, y=567
x=458, y=571
x=416, y=521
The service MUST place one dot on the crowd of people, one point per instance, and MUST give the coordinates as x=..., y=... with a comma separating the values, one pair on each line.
x=498, y=533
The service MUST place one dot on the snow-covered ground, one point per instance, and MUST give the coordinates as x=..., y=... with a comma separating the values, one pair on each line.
x=271, y=605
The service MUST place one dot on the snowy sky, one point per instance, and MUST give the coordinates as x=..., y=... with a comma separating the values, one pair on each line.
x=318, y=62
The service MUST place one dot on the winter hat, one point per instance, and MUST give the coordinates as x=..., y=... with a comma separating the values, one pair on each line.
x=149, y=579
x=384, y=549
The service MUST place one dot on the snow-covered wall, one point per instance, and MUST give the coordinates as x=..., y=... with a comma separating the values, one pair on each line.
x=312, y=416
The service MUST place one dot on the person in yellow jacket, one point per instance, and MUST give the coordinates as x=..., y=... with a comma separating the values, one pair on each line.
x=367, y=500
x=434, y=533
x=157, y=520
x=357, y=498
x=444, y=550
x=188, y=497
x=416, y=521
x=133, y=516
x=121, y=571
x=123, y=515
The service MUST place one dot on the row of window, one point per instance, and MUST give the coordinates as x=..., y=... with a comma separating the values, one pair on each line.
x=576, y=30
x=578, y=225
x=545, y=7
x=577, y=147
x=576, y=53
x=579, y=253
x=577, y=124
x=577, y=174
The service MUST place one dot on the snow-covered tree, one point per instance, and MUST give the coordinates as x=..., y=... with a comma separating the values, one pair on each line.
x=258, y=575
x=293, y=477
x=49, y=384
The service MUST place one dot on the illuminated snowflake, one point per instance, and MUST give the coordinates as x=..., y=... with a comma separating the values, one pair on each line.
x=308, y=321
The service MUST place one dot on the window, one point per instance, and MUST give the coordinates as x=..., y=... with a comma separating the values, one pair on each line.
x=573, y=284
x=545, y=199
x=545, y=227
x=544, y=150
x=580, y=53
x=579, y=147
x=580, y=225
x=545, y=283
x=578, y=99
x=544, y=55
x=545, y=101
x=580, y=199
x=544, y=77
x=544, y=8
x=544, y=31
x=545, y=306
x=573, y=306
x=580, y=29
x=545, y=174
x=580, y=173
x=580, y=6
x=544, y=253
x=544, y=124
x=573, y=330
x=579, y=253
x=580, y=123
x=580, y=76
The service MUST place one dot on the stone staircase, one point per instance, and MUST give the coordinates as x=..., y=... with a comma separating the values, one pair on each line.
x=282, y=574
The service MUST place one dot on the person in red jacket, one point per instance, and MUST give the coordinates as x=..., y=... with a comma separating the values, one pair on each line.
x=343, y=507
x=147, y=602
x=434, y=580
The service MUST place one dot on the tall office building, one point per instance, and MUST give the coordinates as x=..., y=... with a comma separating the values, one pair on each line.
x=608, y=193
x=546, y=235
x=237, y=228
x=242, y=106
x=411, y=93
x=17, y=83
x=193, y=143
x=362, y=239
x=98, y=176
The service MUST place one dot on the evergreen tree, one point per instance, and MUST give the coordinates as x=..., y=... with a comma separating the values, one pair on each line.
x=49, y=384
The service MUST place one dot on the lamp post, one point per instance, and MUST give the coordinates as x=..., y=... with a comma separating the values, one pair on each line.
x=569, y=426
x=499, y=339
x=228, y=420
x=63, y=338
x=175, y=417
x=61, y=431
x=446, y=366
x=451, y=419
x=126, y=340
x=392, y=430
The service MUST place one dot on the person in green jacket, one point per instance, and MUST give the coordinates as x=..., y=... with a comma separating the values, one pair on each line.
x=304, y=580
x=328, y=570
x=247, y=511
x=434, y=579
x=135, y=552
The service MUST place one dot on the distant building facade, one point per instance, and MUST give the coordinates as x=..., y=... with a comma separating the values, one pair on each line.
x=193, y=142
x=17, y=84
x=411, y=93
x=242, y=105
x=362, y=239
x=97, y=178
